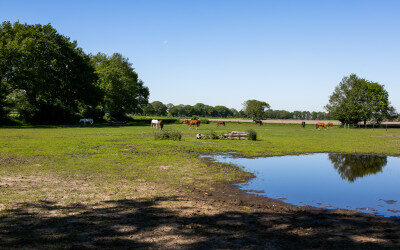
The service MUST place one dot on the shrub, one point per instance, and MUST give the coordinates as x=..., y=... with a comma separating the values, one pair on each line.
x=212, y=135
x=204, y=121
x=168, y=135
x=251, y=135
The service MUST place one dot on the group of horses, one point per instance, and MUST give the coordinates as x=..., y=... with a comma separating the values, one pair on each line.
x=319, y=124
x=194, y=123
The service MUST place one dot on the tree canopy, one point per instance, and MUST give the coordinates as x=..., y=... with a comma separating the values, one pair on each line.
x=357, y=99
x=123, y=91
x=255, y=109
x=45, y=74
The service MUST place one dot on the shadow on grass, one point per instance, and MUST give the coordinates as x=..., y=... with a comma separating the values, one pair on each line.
x=143, y=224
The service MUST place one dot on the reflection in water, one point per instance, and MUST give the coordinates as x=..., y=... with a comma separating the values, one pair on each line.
x=354, y=166
x=367, y=183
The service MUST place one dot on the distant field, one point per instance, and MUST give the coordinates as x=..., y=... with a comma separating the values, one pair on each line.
x=57, y=182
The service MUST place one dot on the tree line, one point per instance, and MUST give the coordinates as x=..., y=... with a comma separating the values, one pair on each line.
x=158, y=108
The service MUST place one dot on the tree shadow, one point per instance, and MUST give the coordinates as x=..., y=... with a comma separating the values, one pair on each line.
x=143, y=224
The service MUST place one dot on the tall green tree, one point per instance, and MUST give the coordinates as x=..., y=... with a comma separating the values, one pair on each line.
x=159, y=108
x=123, y=91
x=52, y=76
x=356, y=99
x=255, y=109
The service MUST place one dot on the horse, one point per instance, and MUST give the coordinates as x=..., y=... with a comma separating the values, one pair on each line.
x=194, y=123
x=330, y=124
x=160, y=124
x=185, y=121
x=303, y=124
x=86, y=120
x=154, y=123
x=320, y=124
x=258, y=122
x=220, y=123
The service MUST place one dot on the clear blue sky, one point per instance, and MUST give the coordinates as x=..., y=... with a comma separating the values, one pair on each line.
x=289, y=53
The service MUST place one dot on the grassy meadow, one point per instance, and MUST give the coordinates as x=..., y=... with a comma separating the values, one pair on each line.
x=107, y=156
x=71, y=166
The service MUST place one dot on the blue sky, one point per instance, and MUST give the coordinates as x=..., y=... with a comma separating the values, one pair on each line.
x=290, y=54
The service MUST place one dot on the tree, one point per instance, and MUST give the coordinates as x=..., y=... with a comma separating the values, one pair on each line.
x=210, y=111
x=148, y=109
x=174, y=111
x=159, y=108
x=357, y=99
x=4, y=92
x=255, y=109
x=124, y=92
x=234, y=113
x=169, y=107
x=222, y=111
x=199, y=109
x=47, y=74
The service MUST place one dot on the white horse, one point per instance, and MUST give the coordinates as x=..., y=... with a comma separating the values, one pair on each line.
x=86, y=120
x=154, y=123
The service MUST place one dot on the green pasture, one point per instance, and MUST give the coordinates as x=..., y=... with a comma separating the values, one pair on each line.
x=107, y=156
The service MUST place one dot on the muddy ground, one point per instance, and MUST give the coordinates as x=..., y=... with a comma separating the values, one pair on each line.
x=189, y=217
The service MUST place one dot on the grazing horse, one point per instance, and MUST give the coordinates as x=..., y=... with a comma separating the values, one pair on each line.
x=160, y=124
x=194, y=123
x=320, y=124
x=220, y=123
x=185, y=121
x=154, y=123
x=303, y=124
x=258, y=122
x=330, y=124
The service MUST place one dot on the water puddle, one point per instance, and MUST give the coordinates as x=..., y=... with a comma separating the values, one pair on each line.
x=363, y=182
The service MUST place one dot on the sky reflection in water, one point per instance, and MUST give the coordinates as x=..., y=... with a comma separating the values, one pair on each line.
x=368, y=183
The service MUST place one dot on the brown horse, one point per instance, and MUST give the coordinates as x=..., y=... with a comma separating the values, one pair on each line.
x=220, y=123
x=185, y=121
x=330, y=124
x=194, y=123
x=160, y=124
x=258, y=122
x=303, y=124
x=320, y=124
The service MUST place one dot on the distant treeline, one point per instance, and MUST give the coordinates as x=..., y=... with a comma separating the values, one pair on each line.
x=158, y=108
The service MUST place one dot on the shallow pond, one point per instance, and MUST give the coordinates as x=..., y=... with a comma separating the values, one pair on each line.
x=367, y=183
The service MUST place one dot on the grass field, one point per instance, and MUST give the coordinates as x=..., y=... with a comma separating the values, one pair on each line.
x=58, y=172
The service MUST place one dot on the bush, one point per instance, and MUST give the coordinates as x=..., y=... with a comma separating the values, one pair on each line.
x=212, y=135
x=204, y=121
x=168, y=135
x=251, y=135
